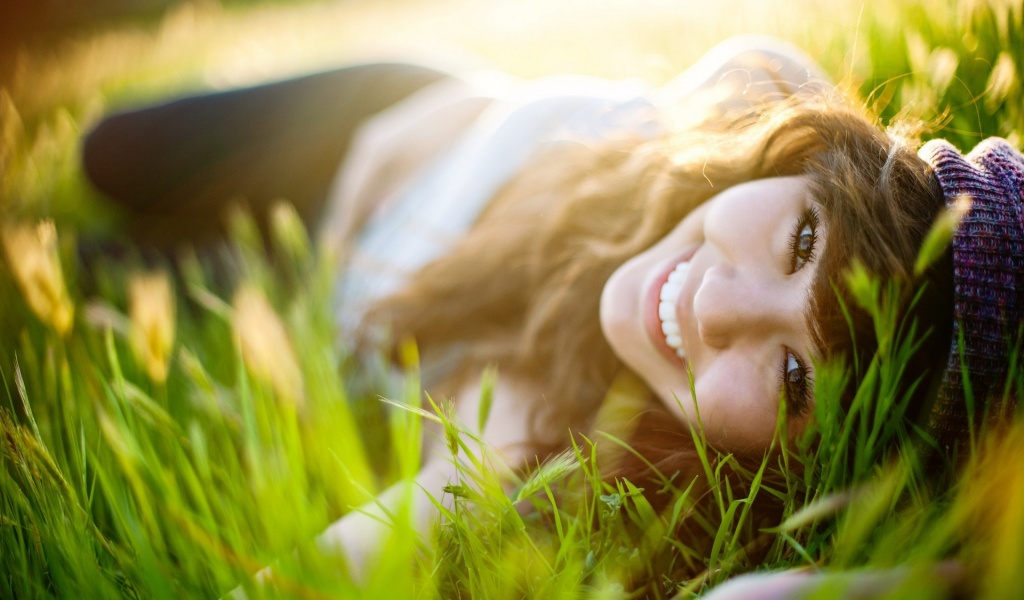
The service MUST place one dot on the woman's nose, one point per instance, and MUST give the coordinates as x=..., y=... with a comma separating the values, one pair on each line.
x=732, y=303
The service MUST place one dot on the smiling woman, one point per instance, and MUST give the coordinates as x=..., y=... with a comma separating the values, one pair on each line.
x=569, y=231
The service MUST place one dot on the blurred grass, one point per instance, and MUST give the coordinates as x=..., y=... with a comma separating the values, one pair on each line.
x=118, y=484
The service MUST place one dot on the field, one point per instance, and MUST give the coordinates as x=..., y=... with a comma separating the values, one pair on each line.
x=165, y=437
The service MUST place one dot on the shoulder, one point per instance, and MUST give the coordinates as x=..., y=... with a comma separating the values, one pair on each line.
x=754, y=67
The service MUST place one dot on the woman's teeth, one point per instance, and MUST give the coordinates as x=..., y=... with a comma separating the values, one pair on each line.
x=667, y=307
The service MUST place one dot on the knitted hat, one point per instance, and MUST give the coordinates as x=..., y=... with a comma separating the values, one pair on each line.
x=988, y=276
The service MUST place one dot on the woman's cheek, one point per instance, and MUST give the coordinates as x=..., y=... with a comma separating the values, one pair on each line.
x=736, y=410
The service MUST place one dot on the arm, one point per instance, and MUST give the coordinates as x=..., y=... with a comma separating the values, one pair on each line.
x=506, y=444
x=390, y=148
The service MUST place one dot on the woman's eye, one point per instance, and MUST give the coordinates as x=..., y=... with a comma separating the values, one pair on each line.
x=796, y=384
x=803, y=240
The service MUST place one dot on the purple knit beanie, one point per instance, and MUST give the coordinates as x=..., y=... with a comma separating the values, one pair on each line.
x=988, y=277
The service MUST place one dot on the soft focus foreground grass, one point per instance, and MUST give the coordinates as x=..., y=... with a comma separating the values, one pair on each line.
x=121, y=480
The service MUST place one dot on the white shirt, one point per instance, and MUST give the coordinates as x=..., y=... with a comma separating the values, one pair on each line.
x=443, y=200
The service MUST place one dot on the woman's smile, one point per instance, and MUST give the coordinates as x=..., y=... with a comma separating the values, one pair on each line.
x=662, y=316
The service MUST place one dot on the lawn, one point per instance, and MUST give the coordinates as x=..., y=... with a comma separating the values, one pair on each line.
x=167, y=437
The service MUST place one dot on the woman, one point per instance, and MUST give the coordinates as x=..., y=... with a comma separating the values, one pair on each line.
x=571, y=230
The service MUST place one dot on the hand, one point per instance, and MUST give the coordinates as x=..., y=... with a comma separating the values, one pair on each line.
x=745, y=71
x=842, y=585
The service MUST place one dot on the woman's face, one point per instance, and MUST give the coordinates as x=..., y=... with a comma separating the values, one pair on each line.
x=725, y=295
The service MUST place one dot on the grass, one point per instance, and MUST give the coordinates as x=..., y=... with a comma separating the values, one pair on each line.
x=153, y=446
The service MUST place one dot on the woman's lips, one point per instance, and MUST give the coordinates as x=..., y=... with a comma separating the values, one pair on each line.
x=661, y=316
